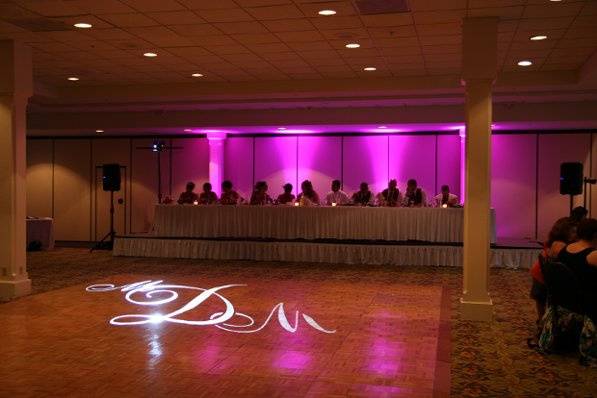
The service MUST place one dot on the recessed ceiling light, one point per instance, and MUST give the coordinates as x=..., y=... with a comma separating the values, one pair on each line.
x=525, y=63
x=555, y=1
x=150, y=55
x=382, y=127
x=197, y=75
x=281, y=128
x=327, y=12
x=73, y=79
x=99, y=131
x=187, y=130
x=82, y=25
x=353, y=45
x=370, y=68
x=538, y=37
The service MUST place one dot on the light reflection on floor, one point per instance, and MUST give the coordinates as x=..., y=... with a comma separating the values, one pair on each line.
x=61, y=343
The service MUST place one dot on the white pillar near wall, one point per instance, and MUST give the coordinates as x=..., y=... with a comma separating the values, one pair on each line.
x=216, y=160
x=478, y=74
x=16, y=86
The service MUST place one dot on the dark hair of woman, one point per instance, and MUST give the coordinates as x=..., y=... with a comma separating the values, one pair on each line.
x=562, y=231
x=587, y=229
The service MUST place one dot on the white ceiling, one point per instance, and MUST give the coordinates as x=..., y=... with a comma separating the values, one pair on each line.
x=273, y=40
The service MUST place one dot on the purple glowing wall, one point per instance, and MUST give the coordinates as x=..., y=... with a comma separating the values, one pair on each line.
x=319, y=160
x=238, y=164
x=365, y=159
x=413, y=156
x=276, y=162
x=513, y=177
x=190, y=163
x=448, y=163
x=553, y=150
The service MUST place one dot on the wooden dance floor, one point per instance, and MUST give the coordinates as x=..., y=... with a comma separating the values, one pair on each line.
x=329, y=338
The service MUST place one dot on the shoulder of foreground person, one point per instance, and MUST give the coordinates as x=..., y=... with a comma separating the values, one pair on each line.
x=592, y=258
x=555, y=248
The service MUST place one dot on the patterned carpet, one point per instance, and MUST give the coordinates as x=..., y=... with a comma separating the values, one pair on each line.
x=488, y=360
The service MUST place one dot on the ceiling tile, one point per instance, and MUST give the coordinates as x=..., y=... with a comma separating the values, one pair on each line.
x=434, y=17
x=288, y=25
x=241, y=27
x=262, y=3
x=256, y=38
x=346, y=34
x=287, y=55
x=161, y=36
x=294, y=37
x=129, y=20
x=502, y=12
x=213, y=40
x=440, y=29
x=176, y=17
x=208, y=4
x=52, y=8
x=545, y=23
x=395, y=31
x=382, y=20
x=154, y=5
x=310, y=46
x=266, y=48
x=275, y=12
x=552, y=9
x=342, y=8
x=443, y=39
x=337, y=23
x=101, y=7
x=397, y=42
x=227, y=15
x=200, y=30
x=428, y=5
x=226, y=50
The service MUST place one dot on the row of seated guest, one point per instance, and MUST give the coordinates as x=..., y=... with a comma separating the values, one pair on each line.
x=568, y=313
x=389, y=197
x=562, y=233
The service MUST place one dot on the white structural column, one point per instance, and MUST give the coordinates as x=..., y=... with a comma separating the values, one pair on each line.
x=16, y=87
x=479, y=72
x=216, y=160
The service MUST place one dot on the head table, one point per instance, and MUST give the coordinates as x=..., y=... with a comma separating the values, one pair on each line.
x=289, y=222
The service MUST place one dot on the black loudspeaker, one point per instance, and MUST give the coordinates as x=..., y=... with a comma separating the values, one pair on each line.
x=111, y=177
x=571, y=178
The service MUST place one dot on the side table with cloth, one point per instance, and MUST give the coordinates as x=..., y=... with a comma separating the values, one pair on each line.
x=42, y=230
x=290, y=222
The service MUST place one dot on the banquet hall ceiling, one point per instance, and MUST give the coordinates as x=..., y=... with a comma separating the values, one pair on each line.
x=234, y=41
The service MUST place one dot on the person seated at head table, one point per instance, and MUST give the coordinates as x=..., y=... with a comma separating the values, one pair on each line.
x=414, y=196
x=260, y=196
x=207, y=197
x=308, y=196
x=390, y=197
x=287, y=196
x=229, y=196
x=445, y=199
x=336, y=195
x=188, y=196
x=363, y=197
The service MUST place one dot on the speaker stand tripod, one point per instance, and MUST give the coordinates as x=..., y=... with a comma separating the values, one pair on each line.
x=107, y=242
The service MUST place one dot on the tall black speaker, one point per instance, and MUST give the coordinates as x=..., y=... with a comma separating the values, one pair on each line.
x=111, y=177
x=571, y=178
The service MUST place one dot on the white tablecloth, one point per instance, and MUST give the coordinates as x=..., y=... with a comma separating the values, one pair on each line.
x=443, y=255
x=288, y=222
x=41, y=229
